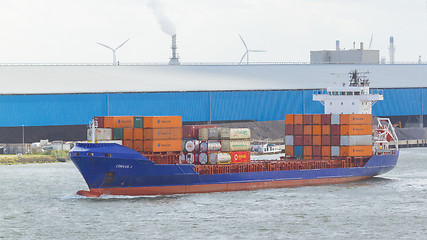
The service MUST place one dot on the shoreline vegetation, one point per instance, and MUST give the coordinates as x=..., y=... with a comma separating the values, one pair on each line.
x=45, y=157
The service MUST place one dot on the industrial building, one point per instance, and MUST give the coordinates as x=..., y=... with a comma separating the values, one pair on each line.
x=57, y=102
x=343, y=56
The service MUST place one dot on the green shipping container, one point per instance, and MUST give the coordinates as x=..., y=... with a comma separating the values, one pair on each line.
x=118, y=133
x=138, y=122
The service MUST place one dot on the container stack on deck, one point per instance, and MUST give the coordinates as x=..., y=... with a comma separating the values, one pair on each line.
x=157, y=137
x=217, y=145
x=328, y=136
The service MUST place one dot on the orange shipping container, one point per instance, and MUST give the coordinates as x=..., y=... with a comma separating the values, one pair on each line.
x=163, y=122
x=289, y=119
x=138, y=134
x=356, y=129
x=289, y=150
x=307, y=150
x=326, y=151
x=326, y=129
x=298, y=119
x=163, y=146
x=128, y=143
x=138, y=145
x=308, y=129
x=108, y=122
x=317, y=129
x=317, y=140
x=162, y=133
x=317, y=119
x=128, y=133
x=121, y=121
x=356, y=119
x=356, y=151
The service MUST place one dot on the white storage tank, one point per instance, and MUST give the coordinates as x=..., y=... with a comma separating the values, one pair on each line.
x=190, y=158
x=214, y=146
x=203, y=158
x=223, y=158
x=213, y=158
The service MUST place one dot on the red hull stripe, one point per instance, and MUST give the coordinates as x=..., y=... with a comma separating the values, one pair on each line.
x=205, y=188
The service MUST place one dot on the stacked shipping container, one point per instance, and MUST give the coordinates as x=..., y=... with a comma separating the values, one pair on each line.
x=326, y=136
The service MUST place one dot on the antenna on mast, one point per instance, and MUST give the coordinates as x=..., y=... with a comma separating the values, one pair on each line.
x=114, y=50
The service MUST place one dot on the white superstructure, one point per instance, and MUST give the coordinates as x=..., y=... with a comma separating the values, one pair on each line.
x=354, y=98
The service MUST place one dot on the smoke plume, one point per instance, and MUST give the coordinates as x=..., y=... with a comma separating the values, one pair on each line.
x=159, y=12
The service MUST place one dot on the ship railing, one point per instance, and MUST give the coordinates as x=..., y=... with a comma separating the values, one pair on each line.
x=384, y=130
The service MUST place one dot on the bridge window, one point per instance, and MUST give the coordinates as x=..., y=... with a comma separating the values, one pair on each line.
x=89, y=154
x=356, y=93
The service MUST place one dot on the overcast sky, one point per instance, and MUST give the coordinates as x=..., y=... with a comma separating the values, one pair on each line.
x=64, y=31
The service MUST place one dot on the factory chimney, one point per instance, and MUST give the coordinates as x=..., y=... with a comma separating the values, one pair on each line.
x=174, y=60
x=391, y=49
x=337, y=45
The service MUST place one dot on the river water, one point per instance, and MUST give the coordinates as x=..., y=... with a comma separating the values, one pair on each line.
x=38, y=201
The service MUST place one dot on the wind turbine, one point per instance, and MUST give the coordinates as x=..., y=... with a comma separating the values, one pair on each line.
x=114, y=50
x=370, y=42
x=247, y=51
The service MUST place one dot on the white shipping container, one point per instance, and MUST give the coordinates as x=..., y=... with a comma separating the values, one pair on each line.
x=344, y=140
x=102, y=134
x=360, y=140
x=289, y=140
x=214, y=146
x=203, y=134
x=236, y=145
x=335, y=119
x=213, y=158
x=203, y=158
x=223, y=158
x=235, y=133
x=214, y=133
x=335, y=151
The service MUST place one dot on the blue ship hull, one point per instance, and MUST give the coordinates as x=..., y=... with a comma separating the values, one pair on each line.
x=116, y=170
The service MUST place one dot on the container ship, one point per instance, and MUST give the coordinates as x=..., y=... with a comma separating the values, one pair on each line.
x=157, y=155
